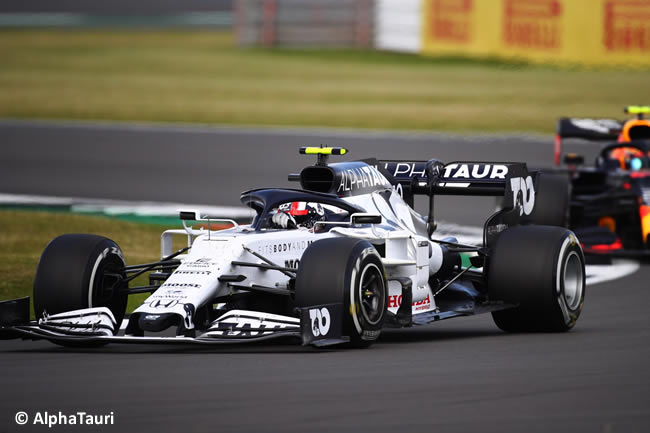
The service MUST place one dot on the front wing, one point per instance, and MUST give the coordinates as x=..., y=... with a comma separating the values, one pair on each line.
x=318, y=325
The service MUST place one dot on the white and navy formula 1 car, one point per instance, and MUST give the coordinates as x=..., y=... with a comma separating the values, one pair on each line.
x=334, y=262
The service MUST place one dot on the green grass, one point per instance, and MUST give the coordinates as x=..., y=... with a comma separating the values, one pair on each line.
x=26, y=233
x=202, y=77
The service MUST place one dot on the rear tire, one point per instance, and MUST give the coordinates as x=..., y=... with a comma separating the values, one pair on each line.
x=72, y=274
x=347, y=271
x=542, y=269
x=552, y=200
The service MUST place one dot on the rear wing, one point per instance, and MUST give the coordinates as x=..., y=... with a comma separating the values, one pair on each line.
x=454, y=178
x=512, y=181
x=587, y=129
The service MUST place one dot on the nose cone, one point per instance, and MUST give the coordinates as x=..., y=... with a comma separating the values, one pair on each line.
x=158, y=322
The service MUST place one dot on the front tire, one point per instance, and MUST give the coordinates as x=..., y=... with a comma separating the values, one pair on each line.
x=347, y=271
x=542, y=270
x=78, y=271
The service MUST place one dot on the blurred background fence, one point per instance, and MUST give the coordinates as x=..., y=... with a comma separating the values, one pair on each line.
x=116, y=13
x=587, y=32
x=305, y=22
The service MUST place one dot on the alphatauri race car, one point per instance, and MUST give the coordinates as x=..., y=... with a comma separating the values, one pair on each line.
x=332, y=263
x=608, y=204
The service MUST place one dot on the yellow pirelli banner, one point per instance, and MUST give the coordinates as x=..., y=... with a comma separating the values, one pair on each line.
x=588, y=32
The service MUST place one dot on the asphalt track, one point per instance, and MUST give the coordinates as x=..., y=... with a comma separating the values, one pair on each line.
x=208, y=165
x=455, y=376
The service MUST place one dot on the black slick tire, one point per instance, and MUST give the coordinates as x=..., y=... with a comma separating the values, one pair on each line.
x=552, y=200
x=541, y=269
x=347, y=271
x=74, y=272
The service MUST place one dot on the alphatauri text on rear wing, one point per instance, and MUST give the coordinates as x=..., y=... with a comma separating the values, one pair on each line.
x=512, y=181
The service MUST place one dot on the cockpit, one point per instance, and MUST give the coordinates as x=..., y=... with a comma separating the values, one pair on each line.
x=633, y=156
x=313, y=216
x=296, y=209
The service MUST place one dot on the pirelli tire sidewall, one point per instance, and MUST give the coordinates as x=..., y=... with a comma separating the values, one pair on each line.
x=364, y=326
x=72, y=274
x=334, y=271
x=542, y=270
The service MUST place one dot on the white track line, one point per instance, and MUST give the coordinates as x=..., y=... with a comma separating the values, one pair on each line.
x=123, y=207
x=618, y=269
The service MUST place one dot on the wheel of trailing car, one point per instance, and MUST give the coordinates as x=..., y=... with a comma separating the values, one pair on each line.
x=80, y=271
x=552, y=200
x=541, y=269
x=347, y=271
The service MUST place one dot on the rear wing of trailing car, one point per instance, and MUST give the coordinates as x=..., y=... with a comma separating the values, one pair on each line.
x=586, y=129
x=509, y=180
x=598, y=129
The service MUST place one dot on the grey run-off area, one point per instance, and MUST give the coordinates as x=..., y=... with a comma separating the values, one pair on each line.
x=455, y=376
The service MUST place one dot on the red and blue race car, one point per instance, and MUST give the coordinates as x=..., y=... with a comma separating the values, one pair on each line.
x=607, y=204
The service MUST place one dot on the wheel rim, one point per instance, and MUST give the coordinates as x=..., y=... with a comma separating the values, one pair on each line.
x=372, y=294
x=105, y=286
x=573, y=280
x=106, y=282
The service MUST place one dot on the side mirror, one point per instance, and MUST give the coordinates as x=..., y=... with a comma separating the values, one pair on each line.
x=195, y=215
x=365, y=218
x=188, y=216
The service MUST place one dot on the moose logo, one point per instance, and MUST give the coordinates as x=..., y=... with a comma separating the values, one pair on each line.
x=320, y=321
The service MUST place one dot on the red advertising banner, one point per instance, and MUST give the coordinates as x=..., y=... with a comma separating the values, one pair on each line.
x=627, y=25
x=451, y=20
x=533, y=23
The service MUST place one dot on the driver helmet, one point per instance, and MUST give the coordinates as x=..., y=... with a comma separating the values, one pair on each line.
x=306, y=214
x=627, y=157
